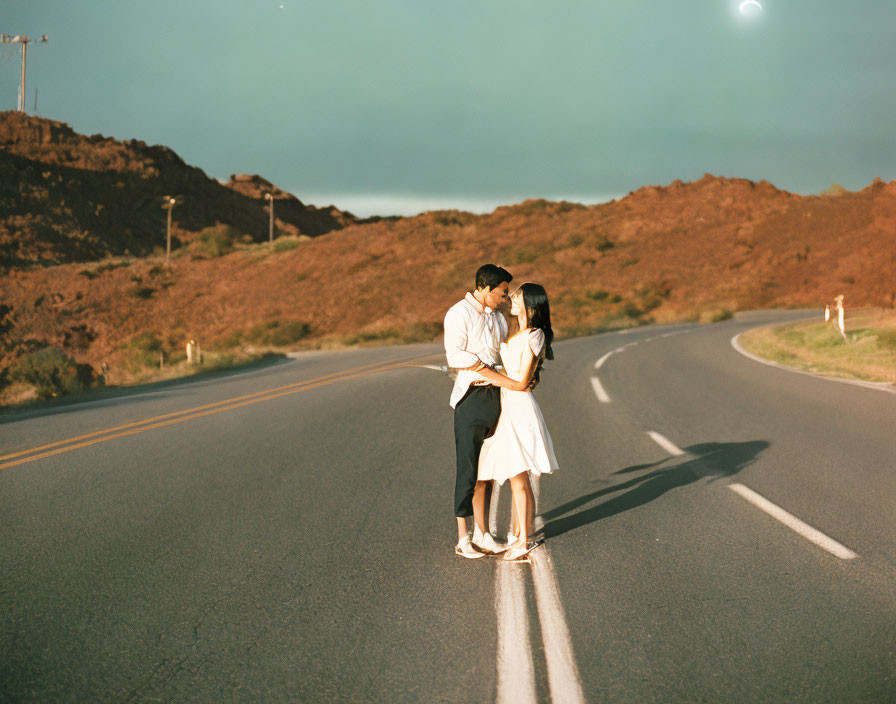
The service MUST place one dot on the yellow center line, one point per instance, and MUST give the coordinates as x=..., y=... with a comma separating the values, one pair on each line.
x=191, y=410
x=199, y=411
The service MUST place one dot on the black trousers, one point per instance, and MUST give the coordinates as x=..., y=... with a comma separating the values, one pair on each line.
x=475, y=418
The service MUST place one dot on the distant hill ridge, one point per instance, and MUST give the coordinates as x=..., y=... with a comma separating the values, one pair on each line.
x=66, y=197
x=684, y=251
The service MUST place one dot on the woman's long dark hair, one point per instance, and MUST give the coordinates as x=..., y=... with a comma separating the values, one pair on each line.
x=538, y=315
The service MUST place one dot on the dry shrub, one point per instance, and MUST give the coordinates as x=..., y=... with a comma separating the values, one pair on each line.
x=52, y=373
x=278, y=333
x=145, y=348
x=715, y=315
x=597, y=295
x=652, y=295
x=101, y=268
x=214, y=241
x=408, y=334
x=144, y=292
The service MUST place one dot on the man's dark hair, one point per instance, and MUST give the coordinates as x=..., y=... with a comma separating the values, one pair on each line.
x=492, y=276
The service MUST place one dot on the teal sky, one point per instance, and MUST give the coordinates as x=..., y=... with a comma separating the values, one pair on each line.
x=403, y=105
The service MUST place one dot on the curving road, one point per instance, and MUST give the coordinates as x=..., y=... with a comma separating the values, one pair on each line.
x=719, y=531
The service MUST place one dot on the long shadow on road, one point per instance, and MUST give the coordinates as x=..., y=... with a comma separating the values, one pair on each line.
x=715, y=460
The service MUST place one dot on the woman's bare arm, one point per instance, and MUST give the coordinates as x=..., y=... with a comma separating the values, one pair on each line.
x=498, y=379
x=528, y=370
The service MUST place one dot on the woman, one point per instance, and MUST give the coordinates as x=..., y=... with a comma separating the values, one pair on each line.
x=521, y=443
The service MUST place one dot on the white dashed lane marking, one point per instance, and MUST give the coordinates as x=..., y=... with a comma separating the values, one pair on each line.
x=602, y=395
x=794, y=523
x=664, y=443
x=599, y=363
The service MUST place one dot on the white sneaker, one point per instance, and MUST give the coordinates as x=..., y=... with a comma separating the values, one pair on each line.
x=520, y=553
x=465, y=548
x=486, y=543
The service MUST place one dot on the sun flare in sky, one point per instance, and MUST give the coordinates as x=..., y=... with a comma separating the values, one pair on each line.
x=749, y=9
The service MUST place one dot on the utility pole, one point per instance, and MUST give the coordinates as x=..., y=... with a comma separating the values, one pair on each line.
x=24, y=41
x=169, y=202
x=270, y=197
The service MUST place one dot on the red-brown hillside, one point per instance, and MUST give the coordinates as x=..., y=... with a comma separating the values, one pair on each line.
x=663, y=253
x=67, y=197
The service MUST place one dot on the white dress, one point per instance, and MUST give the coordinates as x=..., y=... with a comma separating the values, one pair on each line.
x=521, y=441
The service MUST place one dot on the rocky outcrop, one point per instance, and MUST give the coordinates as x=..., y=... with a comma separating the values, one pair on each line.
x=66, y=197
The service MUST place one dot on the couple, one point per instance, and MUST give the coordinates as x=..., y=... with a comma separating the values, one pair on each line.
x=499, y=431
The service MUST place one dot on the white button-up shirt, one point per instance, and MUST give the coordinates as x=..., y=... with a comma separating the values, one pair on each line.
x=473, y=334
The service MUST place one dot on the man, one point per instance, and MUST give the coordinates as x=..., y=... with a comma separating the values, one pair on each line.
x=474, y=331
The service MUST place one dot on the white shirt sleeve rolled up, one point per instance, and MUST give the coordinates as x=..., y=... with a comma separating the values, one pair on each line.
x=456, y=341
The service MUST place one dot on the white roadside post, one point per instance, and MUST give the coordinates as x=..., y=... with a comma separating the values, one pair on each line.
x=827, y=312
x=841, y=316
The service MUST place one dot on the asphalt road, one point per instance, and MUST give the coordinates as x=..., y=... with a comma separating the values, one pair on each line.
x=286, y=535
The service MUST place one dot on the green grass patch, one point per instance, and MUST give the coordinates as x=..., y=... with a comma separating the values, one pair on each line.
x=608, y=323
x=408, y=334
x=212, y=242
x=868, y=353
x=284, y=244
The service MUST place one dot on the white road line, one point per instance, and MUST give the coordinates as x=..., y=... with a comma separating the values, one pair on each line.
x=493, y=508
x=535, y=483
x=664, y=443
x=516, y=674
x=599, y=390
x=794, y=523
x=599, y=363
x=563, y=675
x=515, y=670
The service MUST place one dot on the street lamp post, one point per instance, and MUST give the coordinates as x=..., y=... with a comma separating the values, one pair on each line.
x=270, y=197
x=169, y=205
x=24, y=41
